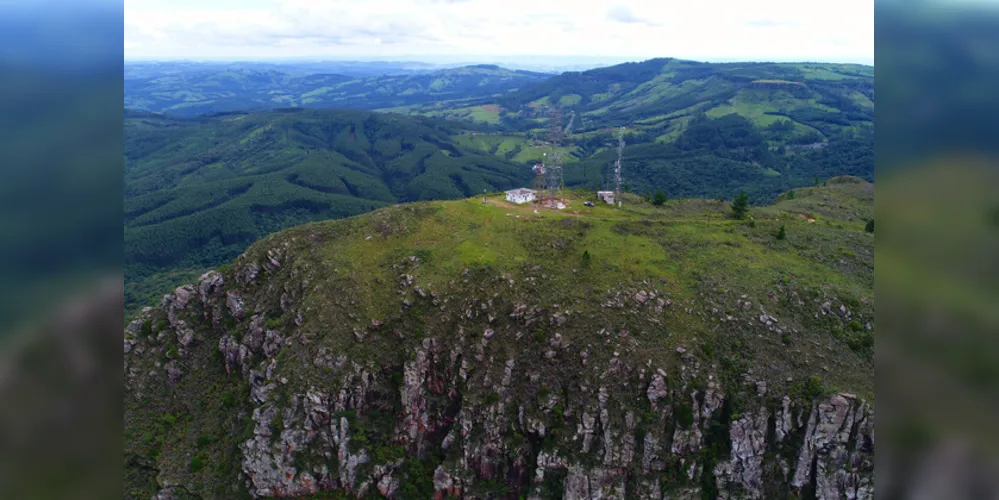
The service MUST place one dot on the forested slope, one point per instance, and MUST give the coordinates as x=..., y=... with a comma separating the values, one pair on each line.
x=198, y=191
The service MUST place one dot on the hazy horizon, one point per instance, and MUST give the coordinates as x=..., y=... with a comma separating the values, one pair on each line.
x=505, y=61
x=604, y=31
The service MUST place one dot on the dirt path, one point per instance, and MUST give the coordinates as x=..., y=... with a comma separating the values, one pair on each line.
x=528, y=208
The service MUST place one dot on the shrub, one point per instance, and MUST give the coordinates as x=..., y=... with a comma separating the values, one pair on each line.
x=870, y=226
x=685, y=416
x=740, y=206
x=205, y=440
x=197, y=463
x=659, y=198
x=782, y=233
x=814, y=388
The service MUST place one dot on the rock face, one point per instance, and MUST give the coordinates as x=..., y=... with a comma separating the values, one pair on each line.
x=458, y=417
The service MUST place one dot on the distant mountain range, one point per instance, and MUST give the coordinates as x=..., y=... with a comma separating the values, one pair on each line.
x=657, y=96
x=189, y=90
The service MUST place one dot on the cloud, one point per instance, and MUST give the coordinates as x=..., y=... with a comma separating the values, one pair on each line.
x=623, y=14
x=765, y=23
x=634, y=29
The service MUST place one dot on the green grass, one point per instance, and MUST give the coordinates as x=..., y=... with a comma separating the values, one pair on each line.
x=753, y=104
x=570, y=100
x=528, y=153
x=681, y=246
x=499, y=145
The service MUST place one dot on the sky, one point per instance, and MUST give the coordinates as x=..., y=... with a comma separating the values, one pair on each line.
x=440, y=30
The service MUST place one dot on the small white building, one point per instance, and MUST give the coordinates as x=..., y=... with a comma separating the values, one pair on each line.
x=606, y=196
x=520, y=195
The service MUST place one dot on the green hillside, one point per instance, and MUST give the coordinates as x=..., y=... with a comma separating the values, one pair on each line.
x=461, y=342
x=198, y=91
x=198, y=191
x=692, y=129
x=719, y=157
x=657, y=94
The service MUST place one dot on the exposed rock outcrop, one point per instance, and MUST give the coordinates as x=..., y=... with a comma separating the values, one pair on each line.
x=486, y=419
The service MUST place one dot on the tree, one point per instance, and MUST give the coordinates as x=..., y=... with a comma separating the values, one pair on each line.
x=870, y=226
x=659, y=198
x=790, y=194
x=740, y=206
x=782, y=234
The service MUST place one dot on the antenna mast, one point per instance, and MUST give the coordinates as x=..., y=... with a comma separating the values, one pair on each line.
x=552, y=193
x=617, y=166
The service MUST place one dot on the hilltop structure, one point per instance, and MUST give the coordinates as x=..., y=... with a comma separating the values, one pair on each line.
x=520, y=195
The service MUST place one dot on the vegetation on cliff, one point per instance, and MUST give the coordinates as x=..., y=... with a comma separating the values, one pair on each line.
x=630, y=351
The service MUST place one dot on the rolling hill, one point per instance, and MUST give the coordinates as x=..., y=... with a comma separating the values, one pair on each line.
x=695, y=129
x=198, y=90
x=198, y=191
x=659, y=94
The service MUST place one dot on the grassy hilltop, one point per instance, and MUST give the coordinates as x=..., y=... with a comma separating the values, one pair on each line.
x=682, y=288
x=689, y=250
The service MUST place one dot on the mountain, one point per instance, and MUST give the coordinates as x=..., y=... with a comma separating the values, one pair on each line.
x=660, y=94
x=481, y=350
x=150, y=69
x=198, y=191
x=695, y=129
x=197, y=90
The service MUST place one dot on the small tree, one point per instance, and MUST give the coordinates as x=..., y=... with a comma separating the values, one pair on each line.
x=782, y=234
x=740, y=206
x=870, y=226
x=586, y=258
x=790, y=194
x=659, y=198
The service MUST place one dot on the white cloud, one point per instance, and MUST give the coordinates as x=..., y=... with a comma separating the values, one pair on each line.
x=637, y=29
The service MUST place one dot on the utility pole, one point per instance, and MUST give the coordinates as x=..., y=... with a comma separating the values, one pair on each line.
x=617, y=167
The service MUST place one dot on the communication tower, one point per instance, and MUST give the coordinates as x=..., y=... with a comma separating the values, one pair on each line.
x=617, y=167
x=552, y=192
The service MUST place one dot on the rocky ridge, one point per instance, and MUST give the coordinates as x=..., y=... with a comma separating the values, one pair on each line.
x=445, y=350
x=493, y=427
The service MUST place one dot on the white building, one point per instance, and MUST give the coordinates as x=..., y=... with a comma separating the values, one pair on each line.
x=520, y=195
x=606, y=196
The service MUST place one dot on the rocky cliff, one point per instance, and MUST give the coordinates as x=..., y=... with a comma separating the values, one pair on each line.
x=304, y=369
